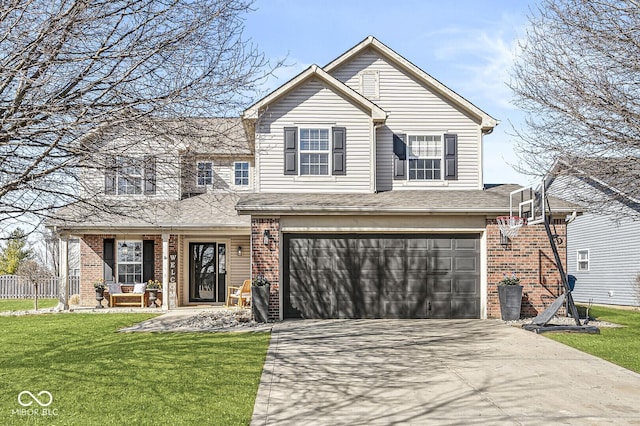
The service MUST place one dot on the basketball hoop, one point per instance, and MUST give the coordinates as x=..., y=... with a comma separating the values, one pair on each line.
x=510, y=225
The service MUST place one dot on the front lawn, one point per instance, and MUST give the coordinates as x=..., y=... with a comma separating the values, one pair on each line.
x=99, y=377
x=26, y=304
x=618, y=345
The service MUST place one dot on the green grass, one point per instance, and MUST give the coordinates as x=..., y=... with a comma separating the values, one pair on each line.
x=100, y=377
x=618, y=345
x=25, y=304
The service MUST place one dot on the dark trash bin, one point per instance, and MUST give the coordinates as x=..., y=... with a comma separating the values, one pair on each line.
x=571, y=280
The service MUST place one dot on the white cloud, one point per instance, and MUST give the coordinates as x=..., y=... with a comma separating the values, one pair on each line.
x=483, y=58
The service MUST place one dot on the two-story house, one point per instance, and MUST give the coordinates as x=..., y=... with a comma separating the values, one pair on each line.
x=365, y=198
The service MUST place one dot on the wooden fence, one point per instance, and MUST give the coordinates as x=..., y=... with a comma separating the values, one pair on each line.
x=16, y=287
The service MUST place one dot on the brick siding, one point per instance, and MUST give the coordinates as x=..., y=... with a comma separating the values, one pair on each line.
x=91, y=264
x=530, y=256
x=266, y=259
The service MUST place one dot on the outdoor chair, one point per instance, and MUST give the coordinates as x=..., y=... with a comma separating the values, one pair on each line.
x=241, y=295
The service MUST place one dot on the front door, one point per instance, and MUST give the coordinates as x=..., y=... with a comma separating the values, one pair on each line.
x=207, y=272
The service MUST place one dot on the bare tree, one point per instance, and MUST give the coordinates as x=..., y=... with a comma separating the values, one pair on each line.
x=72, y=70
x=578, y=80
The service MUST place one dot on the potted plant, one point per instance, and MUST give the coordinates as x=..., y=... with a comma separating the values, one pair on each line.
x=153, y=286
x=99, y=285
x=260, y=289
x=510, y=294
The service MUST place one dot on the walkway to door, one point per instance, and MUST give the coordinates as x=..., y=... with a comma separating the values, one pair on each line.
x=362, y=372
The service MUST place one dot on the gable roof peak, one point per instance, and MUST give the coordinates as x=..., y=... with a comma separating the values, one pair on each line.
x=377, y=113
x=487, y=122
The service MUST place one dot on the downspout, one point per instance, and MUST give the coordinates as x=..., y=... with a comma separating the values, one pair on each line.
x=374, y=155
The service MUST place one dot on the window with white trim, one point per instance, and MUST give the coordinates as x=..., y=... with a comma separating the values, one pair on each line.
x=583, y=260
x=129, y=261
x=130, y=174
x=204, y=176
x=425, y=157
x=314, y=152
x=241, y=173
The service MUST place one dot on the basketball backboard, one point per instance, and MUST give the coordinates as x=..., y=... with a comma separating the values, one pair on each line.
x=528, y=203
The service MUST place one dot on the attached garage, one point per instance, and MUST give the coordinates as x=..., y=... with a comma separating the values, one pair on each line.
x=381, y=276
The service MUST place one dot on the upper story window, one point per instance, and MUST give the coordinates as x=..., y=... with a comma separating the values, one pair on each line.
x=130, y=173
x=129, y=262
x=425, y=157
x=131, y=176
x=314, y=152
x=204, y=175
x=241, y=173
x=583, y=260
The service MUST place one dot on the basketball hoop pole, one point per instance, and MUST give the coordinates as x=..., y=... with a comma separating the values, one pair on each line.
x=563, y=274
x=533, y=205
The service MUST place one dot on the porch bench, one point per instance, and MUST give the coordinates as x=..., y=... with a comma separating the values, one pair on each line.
x=119, y=297
x=115, y=299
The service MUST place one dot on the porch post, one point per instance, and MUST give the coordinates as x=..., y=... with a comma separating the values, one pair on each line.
x=63, y=273
x=165, y=272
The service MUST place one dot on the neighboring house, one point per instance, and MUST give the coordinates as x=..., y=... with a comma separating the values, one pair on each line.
x=603, y=248
x=365, y=198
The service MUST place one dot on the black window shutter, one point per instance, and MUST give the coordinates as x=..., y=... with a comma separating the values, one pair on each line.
x=110, y=177
x=108, y=259
x=290, y=150
x=339, y=138
x=450, y=157
x=148, y=260
x=149, y=175
x=400, y=157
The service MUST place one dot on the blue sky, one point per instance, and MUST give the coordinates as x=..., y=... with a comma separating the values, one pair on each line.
x=467, y=45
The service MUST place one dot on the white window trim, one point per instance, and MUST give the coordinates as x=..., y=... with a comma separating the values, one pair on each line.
x=328, y=151
x=233, y=173
x=441, y=158
x=198, y=162
x=118, y=262
x=587, y=260
x=121, y=163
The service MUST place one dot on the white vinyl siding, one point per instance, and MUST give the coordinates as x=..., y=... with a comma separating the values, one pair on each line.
x=239, y=266
x=313, y=105
x=414, y=108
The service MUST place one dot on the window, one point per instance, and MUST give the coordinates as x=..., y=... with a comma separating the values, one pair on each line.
x=583, y=260
x=314, y=152
x=425, y=157
x=129, y=176
x=205, y=173
x=241, y=173
x=129, y=261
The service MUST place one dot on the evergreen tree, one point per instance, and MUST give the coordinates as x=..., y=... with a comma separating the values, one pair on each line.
x=14, y=252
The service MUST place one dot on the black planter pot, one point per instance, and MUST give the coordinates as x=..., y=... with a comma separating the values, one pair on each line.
x=99, y=297
x=510, y=301
x=260, y=302
x=153, y=296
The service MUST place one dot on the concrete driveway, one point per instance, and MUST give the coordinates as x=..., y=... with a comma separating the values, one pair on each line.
x=363, y=372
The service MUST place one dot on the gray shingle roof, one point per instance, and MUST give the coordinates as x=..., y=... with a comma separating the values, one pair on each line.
x=211, y=210
x=492, y=201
